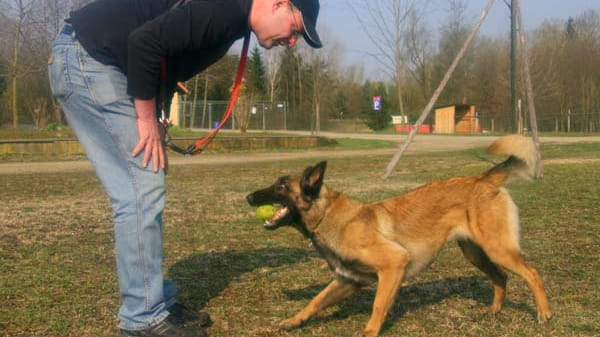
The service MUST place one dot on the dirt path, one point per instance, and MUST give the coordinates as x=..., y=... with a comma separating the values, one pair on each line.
x=421, y=144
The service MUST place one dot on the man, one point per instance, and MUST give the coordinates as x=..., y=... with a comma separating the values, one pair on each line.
x=105, y=72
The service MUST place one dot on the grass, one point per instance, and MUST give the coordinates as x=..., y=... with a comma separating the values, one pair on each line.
x=363, y=144
x=57, y=260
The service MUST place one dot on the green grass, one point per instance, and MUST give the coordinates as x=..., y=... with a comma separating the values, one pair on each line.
x=57, y=264
x=363, y=144
x=62, y=132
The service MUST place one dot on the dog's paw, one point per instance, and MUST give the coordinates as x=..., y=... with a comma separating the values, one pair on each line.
x=544, y=316
x=366, y=333
x=289, y=324
x=493, y=309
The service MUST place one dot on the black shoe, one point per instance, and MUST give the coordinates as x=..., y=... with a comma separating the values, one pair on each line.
x=167, y=328
x=180, y=314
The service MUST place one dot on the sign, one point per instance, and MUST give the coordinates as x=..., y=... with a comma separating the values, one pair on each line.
x=398, y=119
x=377, y=103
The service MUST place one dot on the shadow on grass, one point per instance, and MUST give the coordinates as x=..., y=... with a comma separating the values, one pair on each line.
x=202, y=277
x=411, y=298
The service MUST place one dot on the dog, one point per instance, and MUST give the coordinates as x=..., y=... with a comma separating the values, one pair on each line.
x=389, y=241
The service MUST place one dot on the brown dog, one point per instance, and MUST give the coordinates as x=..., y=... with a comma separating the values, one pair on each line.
x=391, y=240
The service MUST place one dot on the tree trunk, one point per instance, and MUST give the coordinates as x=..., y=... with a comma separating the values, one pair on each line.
x=13, y=80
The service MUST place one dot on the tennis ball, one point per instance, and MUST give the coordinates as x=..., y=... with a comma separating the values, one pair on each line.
x=265, y=212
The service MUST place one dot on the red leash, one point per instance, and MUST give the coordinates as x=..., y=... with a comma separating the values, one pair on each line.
x=202, y=143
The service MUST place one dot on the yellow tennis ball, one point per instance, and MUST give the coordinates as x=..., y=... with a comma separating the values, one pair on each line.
x=265, y=212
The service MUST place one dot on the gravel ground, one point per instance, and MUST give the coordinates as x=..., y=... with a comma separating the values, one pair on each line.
x=421, y=144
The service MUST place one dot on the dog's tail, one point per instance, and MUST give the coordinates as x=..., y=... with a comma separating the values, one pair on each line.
x=521, y=162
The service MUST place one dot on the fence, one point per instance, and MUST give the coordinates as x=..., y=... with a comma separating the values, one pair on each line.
x=586, y=122
x=277, y=116
x=262, y=115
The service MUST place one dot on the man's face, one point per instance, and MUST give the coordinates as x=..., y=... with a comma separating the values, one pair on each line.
x=283, y=27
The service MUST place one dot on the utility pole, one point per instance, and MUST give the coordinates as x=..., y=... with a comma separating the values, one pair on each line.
x=513, y=65
x=539, y=169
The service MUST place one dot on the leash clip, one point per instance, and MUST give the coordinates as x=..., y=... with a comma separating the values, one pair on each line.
x=166, y=123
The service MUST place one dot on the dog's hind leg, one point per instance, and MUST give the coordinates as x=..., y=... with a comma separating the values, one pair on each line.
x=499, y=239
x=479, y=259
x=513, y=260
x=336, y=291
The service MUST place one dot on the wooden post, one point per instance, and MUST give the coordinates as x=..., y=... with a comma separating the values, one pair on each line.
x=539, y=169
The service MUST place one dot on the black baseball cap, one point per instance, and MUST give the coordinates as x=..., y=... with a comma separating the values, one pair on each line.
x=310, y=11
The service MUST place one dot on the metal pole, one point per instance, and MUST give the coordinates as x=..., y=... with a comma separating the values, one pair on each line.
x=209, y=115
x=264, y=118
x=285, y=115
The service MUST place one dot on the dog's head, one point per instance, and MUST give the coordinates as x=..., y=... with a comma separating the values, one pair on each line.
x=294, y=197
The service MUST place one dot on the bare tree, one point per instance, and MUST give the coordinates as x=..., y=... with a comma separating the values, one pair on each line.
x=386, y=23
x=392, y=164
x=29, y=28
x=321, y=63
x=20, y=13
x=273, y=65
x=419, y=50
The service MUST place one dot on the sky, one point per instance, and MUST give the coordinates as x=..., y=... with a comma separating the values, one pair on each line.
x=337, y=21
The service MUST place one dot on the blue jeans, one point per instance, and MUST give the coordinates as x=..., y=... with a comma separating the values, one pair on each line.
x=94, y=99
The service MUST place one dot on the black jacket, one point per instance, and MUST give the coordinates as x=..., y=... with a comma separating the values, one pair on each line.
x=135, y=35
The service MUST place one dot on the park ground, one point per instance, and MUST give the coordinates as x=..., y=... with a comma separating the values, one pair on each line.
x=57, y=261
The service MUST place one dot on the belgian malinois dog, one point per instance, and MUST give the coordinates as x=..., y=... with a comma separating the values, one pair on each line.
x=391, y=240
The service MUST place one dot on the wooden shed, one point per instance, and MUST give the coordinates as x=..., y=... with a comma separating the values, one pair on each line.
x=457, y=118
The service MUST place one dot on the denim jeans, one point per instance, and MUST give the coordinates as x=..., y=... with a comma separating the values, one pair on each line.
x=94, y=99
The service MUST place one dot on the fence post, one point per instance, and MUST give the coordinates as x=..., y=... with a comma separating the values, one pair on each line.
x=264, y=117
x=209, y=115
x=285, y=115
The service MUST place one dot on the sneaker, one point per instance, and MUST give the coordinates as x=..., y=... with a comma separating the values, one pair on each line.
x=167, y=328
x=184, y=316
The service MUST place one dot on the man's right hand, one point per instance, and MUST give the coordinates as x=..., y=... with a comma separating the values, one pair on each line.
x=151, y=140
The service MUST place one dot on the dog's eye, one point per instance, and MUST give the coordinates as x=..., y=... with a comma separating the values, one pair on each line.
x=281, y=187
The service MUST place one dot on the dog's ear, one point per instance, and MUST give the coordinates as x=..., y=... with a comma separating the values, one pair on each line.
x=312, y=179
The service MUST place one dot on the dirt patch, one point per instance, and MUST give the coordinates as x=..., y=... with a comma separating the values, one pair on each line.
x=421, y=144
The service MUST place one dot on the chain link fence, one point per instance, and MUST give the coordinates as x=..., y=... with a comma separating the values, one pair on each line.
x=265, y=115
x=261, y=115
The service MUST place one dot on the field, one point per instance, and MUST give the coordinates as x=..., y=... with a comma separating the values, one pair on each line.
x=57, y=263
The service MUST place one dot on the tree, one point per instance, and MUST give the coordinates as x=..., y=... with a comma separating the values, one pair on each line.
x=30, y=27
x=454, y=32
x=392, y=164
x=341, y=105
x=254, y=89
x=256, y=80
x=386, y=23
x=273, y=74
x=376, y=119
x=3, y=76
x=419, y=60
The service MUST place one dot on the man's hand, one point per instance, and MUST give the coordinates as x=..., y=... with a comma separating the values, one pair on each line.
x=151, y=139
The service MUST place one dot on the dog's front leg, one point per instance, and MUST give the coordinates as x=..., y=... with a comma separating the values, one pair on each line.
x=333, y=293
x=390, y=274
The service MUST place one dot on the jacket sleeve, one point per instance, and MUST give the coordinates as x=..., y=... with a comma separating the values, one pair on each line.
x=166, y=35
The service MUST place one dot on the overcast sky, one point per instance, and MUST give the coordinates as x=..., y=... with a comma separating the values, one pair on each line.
x=338, y=21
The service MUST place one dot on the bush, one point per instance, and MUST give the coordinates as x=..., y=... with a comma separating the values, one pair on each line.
x=378, y=120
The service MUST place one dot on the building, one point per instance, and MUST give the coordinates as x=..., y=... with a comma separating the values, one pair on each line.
x=457, y=118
